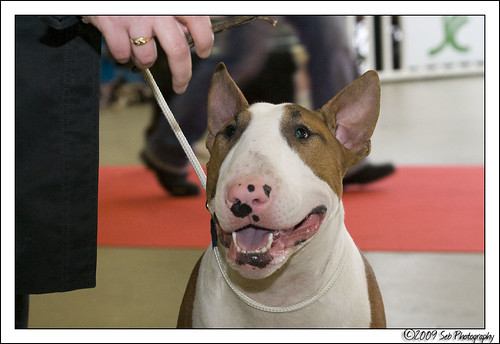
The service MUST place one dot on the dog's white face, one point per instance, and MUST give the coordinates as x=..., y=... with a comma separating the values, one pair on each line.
x=268, y=202
x=274, y=175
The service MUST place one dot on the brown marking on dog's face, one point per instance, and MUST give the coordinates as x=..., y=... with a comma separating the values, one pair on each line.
x=336, y=136
x=306, y=133
x=329, y=140
x=225, y=101
x=227, y=119
x=224, y=140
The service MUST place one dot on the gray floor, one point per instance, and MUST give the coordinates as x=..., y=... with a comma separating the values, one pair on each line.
x=427, y=122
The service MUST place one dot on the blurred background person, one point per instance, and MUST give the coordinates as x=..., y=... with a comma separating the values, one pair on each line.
x=263, y=61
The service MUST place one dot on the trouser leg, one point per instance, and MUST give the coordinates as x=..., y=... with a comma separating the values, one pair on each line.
x=22, y=311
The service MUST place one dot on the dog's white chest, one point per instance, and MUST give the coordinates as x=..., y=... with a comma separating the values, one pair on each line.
x=346, y=303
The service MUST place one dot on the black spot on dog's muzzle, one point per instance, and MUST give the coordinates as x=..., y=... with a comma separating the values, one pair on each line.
x=241, y=209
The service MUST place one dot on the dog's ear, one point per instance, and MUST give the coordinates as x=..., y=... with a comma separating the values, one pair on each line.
x=353, y=113
x=224, y=101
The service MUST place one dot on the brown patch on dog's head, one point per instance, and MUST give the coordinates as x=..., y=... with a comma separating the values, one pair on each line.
x=329, y=140
x=225, y=101
x=306, y=133
x=227, y=119
x=225, y=139
x=337, y=136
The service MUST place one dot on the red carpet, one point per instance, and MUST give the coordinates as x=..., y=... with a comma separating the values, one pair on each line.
x=415, y=209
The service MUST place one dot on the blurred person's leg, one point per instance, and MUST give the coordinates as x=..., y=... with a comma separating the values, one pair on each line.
x=332, y=66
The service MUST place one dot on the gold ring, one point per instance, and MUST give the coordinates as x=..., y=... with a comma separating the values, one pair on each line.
x=139, y=41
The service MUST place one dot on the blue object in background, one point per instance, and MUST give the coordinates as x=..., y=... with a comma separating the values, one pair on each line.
x=113, y=71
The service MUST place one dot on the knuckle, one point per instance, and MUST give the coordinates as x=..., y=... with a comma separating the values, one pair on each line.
x=178, y=50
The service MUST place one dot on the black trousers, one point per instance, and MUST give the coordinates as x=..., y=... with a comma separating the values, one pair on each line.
x=57, y=75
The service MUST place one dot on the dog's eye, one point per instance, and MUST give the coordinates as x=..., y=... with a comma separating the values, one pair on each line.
x=229, y=131
x=301, y=133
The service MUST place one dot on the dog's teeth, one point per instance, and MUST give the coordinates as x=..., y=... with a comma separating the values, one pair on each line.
x=238, y=249
x=261, y=250
x=269, y=242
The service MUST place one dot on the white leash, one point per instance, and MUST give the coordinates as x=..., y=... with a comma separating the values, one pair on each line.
x=175, y=127
x=203, y=179
x=284, y=309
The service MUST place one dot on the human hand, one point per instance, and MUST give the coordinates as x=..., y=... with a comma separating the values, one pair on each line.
x=170, y=33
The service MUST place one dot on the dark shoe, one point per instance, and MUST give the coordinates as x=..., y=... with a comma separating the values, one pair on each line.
x=175, y=184
x=369, y=173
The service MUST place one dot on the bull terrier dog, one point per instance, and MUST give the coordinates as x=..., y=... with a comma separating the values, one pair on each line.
x=281, y=255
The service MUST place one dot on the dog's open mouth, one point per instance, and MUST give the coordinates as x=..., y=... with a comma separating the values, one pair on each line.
x=258, y=246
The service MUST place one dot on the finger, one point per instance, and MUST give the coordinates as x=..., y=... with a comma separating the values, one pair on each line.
x=117, y=38
x=173, y=41
x=143, y=55
x=200, y=29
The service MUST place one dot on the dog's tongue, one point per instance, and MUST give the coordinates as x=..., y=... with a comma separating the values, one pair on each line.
x=251, y=239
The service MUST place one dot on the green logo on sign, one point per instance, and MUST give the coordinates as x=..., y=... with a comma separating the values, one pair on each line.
x=451, y=26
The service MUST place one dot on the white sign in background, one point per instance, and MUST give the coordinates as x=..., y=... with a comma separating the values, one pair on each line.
x=437, y=41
